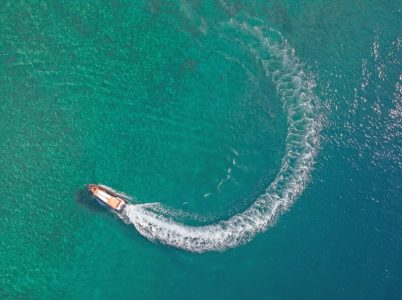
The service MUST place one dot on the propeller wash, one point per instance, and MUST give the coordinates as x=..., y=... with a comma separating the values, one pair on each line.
x=295, y=88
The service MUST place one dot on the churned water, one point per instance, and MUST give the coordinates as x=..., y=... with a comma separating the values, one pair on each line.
x=261, y=143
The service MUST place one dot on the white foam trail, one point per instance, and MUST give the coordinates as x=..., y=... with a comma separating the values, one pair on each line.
x=295, y=89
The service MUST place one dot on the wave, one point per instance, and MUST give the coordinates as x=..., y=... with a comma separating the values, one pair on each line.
x=295, y=88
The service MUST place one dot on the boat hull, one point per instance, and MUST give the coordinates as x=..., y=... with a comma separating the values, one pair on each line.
x=108, y=197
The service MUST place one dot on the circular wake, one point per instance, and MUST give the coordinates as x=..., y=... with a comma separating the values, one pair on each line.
x=295, y=89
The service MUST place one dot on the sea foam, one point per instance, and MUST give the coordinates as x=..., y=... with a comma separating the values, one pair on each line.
x=295, y=89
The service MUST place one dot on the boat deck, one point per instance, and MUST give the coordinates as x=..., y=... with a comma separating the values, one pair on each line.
x=113, y=202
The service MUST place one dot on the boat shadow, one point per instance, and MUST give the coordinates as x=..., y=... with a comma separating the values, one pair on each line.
x=83, y=197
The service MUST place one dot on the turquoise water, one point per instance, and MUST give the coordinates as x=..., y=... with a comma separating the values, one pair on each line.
x=266, y=135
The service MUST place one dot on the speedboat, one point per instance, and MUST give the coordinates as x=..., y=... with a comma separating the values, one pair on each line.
x=108, y=197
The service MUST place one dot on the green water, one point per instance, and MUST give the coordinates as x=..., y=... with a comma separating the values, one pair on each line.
x=171, y=103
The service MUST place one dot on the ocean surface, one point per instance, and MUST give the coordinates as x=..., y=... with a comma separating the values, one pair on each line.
x=260, y=141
